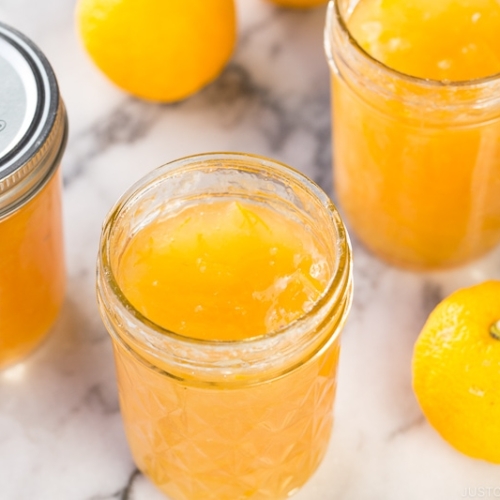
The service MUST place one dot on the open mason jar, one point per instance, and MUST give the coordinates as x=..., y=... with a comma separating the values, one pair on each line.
x=416, y=161
x=223, y=420
x=33, y=132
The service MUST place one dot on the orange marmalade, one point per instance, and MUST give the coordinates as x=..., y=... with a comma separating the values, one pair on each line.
x=32, y=274
x=33, y=132
x=224, y=281
x=225, y=270
x=416, y=126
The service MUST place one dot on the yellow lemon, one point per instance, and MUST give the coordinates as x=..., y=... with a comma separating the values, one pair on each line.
x=299, y=4
x=163, y=50
x=456, y=370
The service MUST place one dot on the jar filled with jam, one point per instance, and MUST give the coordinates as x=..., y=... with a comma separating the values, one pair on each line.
x=225, y=281
x=33, y=132
x=416, y=121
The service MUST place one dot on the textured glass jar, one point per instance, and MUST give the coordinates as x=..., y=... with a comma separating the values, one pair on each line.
x=33, y=131
x=226, y=420
x=416, y=162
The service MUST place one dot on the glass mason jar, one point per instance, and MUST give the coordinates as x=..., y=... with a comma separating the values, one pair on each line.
x=416, y=162
x=33, y=131
x=226, y=420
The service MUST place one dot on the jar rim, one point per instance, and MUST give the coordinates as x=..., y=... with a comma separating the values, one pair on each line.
x=139, y=187
x=334, y=14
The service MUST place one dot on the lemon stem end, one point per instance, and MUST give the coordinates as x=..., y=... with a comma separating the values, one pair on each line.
x=495, y=330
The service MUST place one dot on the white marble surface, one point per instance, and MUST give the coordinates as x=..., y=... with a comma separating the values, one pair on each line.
x=61, y=436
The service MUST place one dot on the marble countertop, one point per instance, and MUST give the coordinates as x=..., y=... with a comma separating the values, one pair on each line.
x=61, y=436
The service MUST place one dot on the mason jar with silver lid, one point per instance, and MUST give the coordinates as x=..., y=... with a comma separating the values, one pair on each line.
x=33, y=134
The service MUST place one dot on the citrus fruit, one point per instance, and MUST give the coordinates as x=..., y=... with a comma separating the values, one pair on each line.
x=299, y=4
x=162, y=50
x=456, y=370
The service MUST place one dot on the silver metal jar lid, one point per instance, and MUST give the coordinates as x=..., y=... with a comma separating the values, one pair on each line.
x=33, y=123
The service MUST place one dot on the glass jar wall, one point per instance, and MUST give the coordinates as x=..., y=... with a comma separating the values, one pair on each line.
x=33, y=133
x=226, y=419
x=417, y=161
